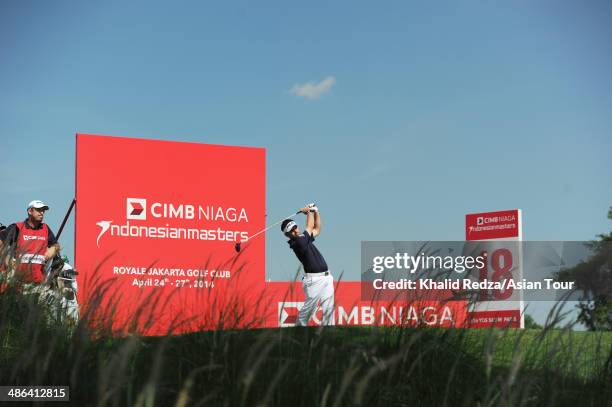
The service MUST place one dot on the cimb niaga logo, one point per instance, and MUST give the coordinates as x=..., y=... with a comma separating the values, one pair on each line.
x=136, y=208
x=141, y=209
x=480, y=220
x=288, y=314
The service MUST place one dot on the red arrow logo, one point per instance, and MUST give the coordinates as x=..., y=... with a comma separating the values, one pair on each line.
x=292, y=315
x=136, y=208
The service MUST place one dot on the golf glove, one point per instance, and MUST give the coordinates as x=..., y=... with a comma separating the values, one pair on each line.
x=312, y=207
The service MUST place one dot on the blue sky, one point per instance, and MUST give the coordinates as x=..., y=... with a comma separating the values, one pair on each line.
x=434, y=110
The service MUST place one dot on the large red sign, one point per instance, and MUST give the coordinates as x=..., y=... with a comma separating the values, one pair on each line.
x=156, y=226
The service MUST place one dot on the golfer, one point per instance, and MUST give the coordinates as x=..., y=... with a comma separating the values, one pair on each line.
x=317, y=282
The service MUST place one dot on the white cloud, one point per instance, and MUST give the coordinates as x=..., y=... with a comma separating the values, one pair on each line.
x=312, y=90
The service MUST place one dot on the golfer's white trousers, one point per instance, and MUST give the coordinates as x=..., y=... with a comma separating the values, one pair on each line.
x=317, y=289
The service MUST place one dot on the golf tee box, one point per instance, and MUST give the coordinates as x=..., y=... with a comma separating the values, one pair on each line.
x=156, y=228
x=158, y=224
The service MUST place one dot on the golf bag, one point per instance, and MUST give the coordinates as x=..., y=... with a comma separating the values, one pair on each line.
x=61, y=278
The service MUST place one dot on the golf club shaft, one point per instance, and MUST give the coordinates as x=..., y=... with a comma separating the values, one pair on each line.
x=48, y=265
x=59, y=232
x=272, y=225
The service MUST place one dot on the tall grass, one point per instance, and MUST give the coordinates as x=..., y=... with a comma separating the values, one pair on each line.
x=332, y=366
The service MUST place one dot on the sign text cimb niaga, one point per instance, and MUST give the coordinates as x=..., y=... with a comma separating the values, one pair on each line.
x=137, y=209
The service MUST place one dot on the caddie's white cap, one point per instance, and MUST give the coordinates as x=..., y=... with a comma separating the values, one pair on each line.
x=38, y=205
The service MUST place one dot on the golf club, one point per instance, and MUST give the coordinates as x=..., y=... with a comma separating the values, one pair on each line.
x=237, y=246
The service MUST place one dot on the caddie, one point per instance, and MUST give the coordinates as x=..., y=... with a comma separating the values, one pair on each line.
x=30, y=243
x=318, y=283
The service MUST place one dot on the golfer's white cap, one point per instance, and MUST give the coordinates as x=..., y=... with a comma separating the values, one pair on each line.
x=38, y=205
x=289, y=226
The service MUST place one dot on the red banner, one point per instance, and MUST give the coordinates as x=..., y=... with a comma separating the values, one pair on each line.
x=286, y=298
x=156, y=226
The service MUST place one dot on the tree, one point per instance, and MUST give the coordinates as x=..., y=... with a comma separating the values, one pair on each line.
x=530, y=323
x=594, y=278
